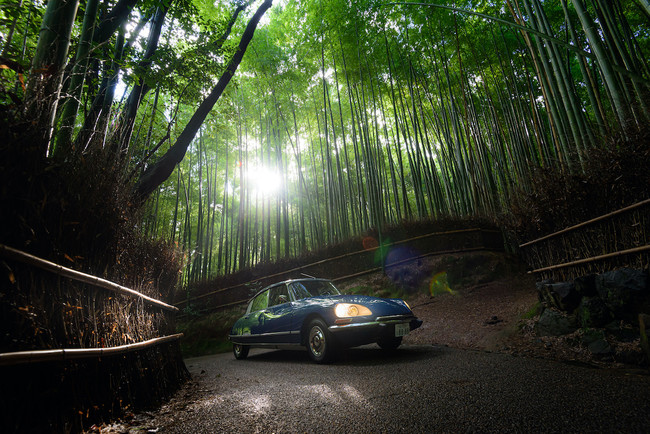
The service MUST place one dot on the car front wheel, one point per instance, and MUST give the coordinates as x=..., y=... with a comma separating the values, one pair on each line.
x=319, y=342
x=240, y=351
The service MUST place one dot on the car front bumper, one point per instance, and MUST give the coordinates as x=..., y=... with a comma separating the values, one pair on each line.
x=361, y=333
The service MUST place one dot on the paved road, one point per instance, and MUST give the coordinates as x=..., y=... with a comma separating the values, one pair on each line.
x=415, y=389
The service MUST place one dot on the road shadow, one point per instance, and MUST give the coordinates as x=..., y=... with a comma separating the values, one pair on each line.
x=367, y=355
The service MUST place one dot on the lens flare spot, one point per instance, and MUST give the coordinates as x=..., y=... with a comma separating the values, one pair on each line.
x=382, y=251
x=439, y=284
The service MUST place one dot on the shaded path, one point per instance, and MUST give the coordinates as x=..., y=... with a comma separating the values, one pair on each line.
x=415, y=389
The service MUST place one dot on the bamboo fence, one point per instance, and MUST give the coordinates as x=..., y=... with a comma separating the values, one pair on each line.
x=362, y=273
x=11, y=253
x=335, y=259
x=45, y=355
x=616, y=239
x=23, y=357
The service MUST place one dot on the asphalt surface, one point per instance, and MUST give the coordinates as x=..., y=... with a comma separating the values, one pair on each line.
x=414, y=389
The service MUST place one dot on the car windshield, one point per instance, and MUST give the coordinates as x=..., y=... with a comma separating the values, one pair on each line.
x=313, y=288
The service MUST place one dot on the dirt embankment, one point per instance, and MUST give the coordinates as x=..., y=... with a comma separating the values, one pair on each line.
x=471, y=300
x=482, y=317
x=487, y=301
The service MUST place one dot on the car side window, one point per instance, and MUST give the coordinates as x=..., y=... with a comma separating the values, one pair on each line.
x=278, y=295
x=260, y=302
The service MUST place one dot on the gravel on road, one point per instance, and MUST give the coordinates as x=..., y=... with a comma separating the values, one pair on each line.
x=418, y=388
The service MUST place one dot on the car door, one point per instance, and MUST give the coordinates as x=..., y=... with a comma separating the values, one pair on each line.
x=250, y=327
x=277, y=317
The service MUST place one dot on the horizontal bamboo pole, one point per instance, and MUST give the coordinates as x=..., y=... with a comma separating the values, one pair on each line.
x=592, y=259
x=26, y=258
x=588, y=222
x=359, y=252
x=372, y=270
x=23, y=357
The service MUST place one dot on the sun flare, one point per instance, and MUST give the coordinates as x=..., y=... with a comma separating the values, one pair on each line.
x=264, y=181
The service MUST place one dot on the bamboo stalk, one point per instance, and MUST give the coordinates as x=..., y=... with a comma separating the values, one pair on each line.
x=26, y=258
x=588, y=222
x=21, y=357
x=592, y=259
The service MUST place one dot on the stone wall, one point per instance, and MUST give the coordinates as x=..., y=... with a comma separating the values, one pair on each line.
x=604, y=308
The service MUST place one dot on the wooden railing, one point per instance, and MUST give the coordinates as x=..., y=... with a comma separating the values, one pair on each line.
x=43, y=264
x=619, y=238
x=20, y=357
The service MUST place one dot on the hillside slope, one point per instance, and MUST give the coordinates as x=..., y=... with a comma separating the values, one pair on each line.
x=470, y=300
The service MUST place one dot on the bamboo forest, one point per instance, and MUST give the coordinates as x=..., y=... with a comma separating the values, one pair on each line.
x=247, y=131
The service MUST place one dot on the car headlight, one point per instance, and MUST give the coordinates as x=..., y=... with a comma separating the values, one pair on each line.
x=344, y=310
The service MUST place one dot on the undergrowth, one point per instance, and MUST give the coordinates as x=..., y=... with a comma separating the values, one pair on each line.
x=208, y=334
x=610, y=177
x=78, y=212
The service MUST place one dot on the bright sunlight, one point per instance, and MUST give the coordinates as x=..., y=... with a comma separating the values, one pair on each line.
x=263, y=180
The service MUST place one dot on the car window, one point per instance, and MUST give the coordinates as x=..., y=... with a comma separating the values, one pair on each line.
x=313, y=288
x=300, y=291
x=278, y=295
x=260, y=302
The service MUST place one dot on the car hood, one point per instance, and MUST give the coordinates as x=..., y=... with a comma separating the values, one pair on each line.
x=378, y=306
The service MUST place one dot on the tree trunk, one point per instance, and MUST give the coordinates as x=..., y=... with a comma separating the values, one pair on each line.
x=10, y=36
x=140, y=89
x=609, y=77
x=157, y=173
x=113, y=20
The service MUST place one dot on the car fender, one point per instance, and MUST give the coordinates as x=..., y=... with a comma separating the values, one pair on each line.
x=304, y=331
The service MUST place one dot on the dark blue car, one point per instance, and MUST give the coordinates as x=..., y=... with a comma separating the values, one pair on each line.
x=312, y=313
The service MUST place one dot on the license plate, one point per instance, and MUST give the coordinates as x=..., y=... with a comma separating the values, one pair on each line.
x=402, y=329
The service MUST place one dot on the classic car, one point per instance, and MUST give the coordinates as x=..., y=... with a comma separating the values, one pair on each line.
x=313, y=314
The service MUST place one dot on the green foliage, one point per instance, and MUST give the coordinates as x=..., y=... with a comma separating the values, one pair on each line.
x=534, y=311
x=207, y=334
x=386, y=289
x=368, y=114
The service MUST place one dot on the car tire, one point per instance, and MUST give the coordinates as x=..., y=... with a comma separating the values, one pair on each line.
x=389, y=343
x=240, y=351
x=320, y=344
